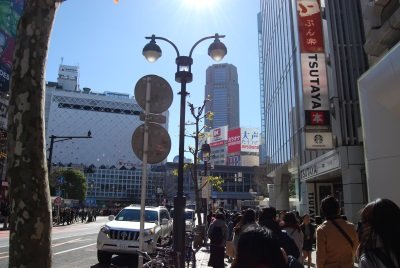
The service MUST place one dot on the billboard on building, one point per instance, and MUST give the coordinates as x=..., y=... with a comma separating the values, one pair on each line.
x=314, y=77
x=10, y=12
x=250, y=140
x=68, y=71
x=218, y=136
x=234, y=140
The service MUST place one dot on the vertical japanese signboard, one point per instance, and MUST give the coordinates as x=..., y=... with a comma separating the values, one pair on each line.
x=234, y=140
x=313, y=67
x=10, y=12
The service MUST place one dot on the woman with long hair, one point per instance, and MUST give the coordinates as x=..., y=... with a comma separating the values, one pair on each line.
x=292, y=228
x=247, y=222
x=380, y=235
x=259, y=248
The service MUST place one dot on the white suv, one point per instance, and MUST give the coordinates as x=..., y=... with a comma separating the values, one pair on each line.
x=121, y=234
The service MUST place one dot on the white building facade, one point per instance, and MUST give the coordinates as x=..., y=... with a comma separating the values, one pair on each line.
x=111, y=118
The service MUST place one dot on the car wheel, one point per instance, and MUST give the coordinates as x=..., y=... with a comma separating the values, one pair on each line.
x=104, y=257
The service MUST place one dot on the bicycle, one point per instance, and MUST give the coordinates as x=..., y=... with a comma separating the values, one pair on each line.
x=163, y=258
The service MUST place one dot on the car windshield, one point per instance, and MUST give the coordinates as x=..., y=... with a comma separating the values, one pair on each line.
x=134, y=215
x=189, y=215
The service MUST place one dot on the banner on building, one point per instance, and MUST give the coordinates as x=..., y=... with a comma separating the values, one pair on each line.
x=218, y=136
x=315, y=85
x=10, y=12
x=311, y=201
x=234, y=142
x=250, y=140
x=314, y=77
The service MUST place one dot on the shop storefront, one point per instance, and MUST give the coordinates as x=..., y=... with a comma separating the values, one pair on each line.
x=340, y=173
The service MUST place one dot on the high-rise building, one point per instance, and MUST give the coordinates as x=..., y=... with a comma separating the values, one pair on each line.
x=310, y=60
x=222, y=88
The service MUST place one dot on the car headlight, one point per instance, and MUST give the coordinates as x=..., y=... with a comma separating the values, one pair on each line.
x=105, y=229
x=148, y=232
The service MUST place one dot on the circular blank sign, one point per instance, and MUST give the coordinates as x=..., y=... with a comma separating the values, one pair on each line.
x=161, y=95
x=159, y=143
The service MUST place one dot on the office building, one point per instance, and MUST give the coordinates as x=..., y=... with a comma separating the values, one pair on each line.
x=309, y=65
x=222, y=88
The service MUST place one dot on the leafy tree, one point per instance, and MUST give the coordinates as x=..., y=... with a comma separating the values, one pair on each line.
x=30, y=219
x=74, y=184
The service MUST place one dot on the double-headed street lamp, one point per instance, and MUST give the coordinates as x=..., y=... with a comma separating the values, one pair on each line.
x=183, y=75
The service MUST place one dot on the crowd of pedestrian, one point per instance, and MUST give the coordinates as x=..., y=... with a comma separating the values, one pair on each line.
x=71, y=215
x=267, y=239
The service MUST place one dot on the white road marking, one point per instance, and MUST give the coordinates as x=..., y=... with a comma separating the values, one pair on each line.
x=70, y=241
x=72, y=249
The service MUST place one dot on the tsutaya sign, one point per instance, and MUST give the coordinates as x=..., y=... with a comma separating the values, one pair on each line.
x=313, y=67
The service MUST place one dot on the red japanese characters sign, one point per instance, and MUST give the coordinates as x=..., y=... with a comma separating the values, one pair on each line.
x=234, y=141
x=310, y=26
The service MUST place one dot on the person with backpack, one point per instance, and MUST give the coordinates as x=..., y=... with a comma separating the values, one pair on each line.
x=218, y=234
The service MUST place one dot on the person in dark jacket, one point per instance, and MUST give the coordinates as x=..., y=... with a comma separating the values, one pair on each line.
x=267, y=218
x=257, y=248
x=308, y=230
x=217, y=249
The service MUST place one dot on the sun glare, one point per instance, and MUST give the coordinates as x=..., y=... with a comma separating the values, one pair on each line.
x=199, y=4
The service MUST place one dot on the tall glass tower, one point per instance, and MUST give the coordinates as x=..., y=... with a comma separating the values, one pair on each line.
x=303, y=66
x=222, y=88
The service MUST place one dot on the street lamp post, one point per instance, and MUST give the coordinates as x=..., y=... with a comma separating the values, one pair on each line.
x=54, y=139
x=183, y=75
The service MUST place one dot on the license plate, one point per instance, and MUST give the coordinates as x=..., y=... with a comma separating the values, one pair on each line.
x=123, y=246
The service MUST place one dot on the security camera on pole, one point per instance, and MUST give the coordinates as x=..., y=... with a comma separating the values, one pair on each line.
x=150, y=141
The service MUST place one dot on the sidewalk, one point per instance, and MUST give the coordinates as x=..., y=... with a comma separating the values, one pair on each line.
x=203, y=254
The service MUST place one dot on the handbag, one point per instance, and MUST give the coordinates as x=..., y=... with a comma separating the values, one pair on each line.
x=230, y=249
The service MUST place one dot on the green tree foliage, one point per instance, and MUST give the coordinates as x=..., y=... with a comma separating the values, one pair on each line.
x=74, y=185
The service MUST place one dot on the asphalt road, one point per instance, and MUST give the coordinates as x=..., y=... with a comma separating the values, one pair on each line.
x=73, y=246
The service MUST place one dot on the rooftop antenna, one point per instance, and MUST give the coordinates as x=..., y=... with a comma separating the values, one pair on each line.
x=62, y=59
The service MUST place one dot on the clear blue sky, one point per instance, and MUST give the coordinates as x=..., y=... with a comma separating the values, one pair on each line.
x=106, y=41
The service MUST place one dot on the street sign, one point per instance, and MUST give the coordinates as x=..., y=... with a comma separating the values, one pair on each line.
x=159, y=144
x=161, y=94
x=57, y=201
x=155, y=118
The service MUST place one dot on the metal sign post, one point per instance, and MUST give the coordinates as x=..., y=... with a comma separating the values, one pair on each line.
x=155, y=148
x=144, y=171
